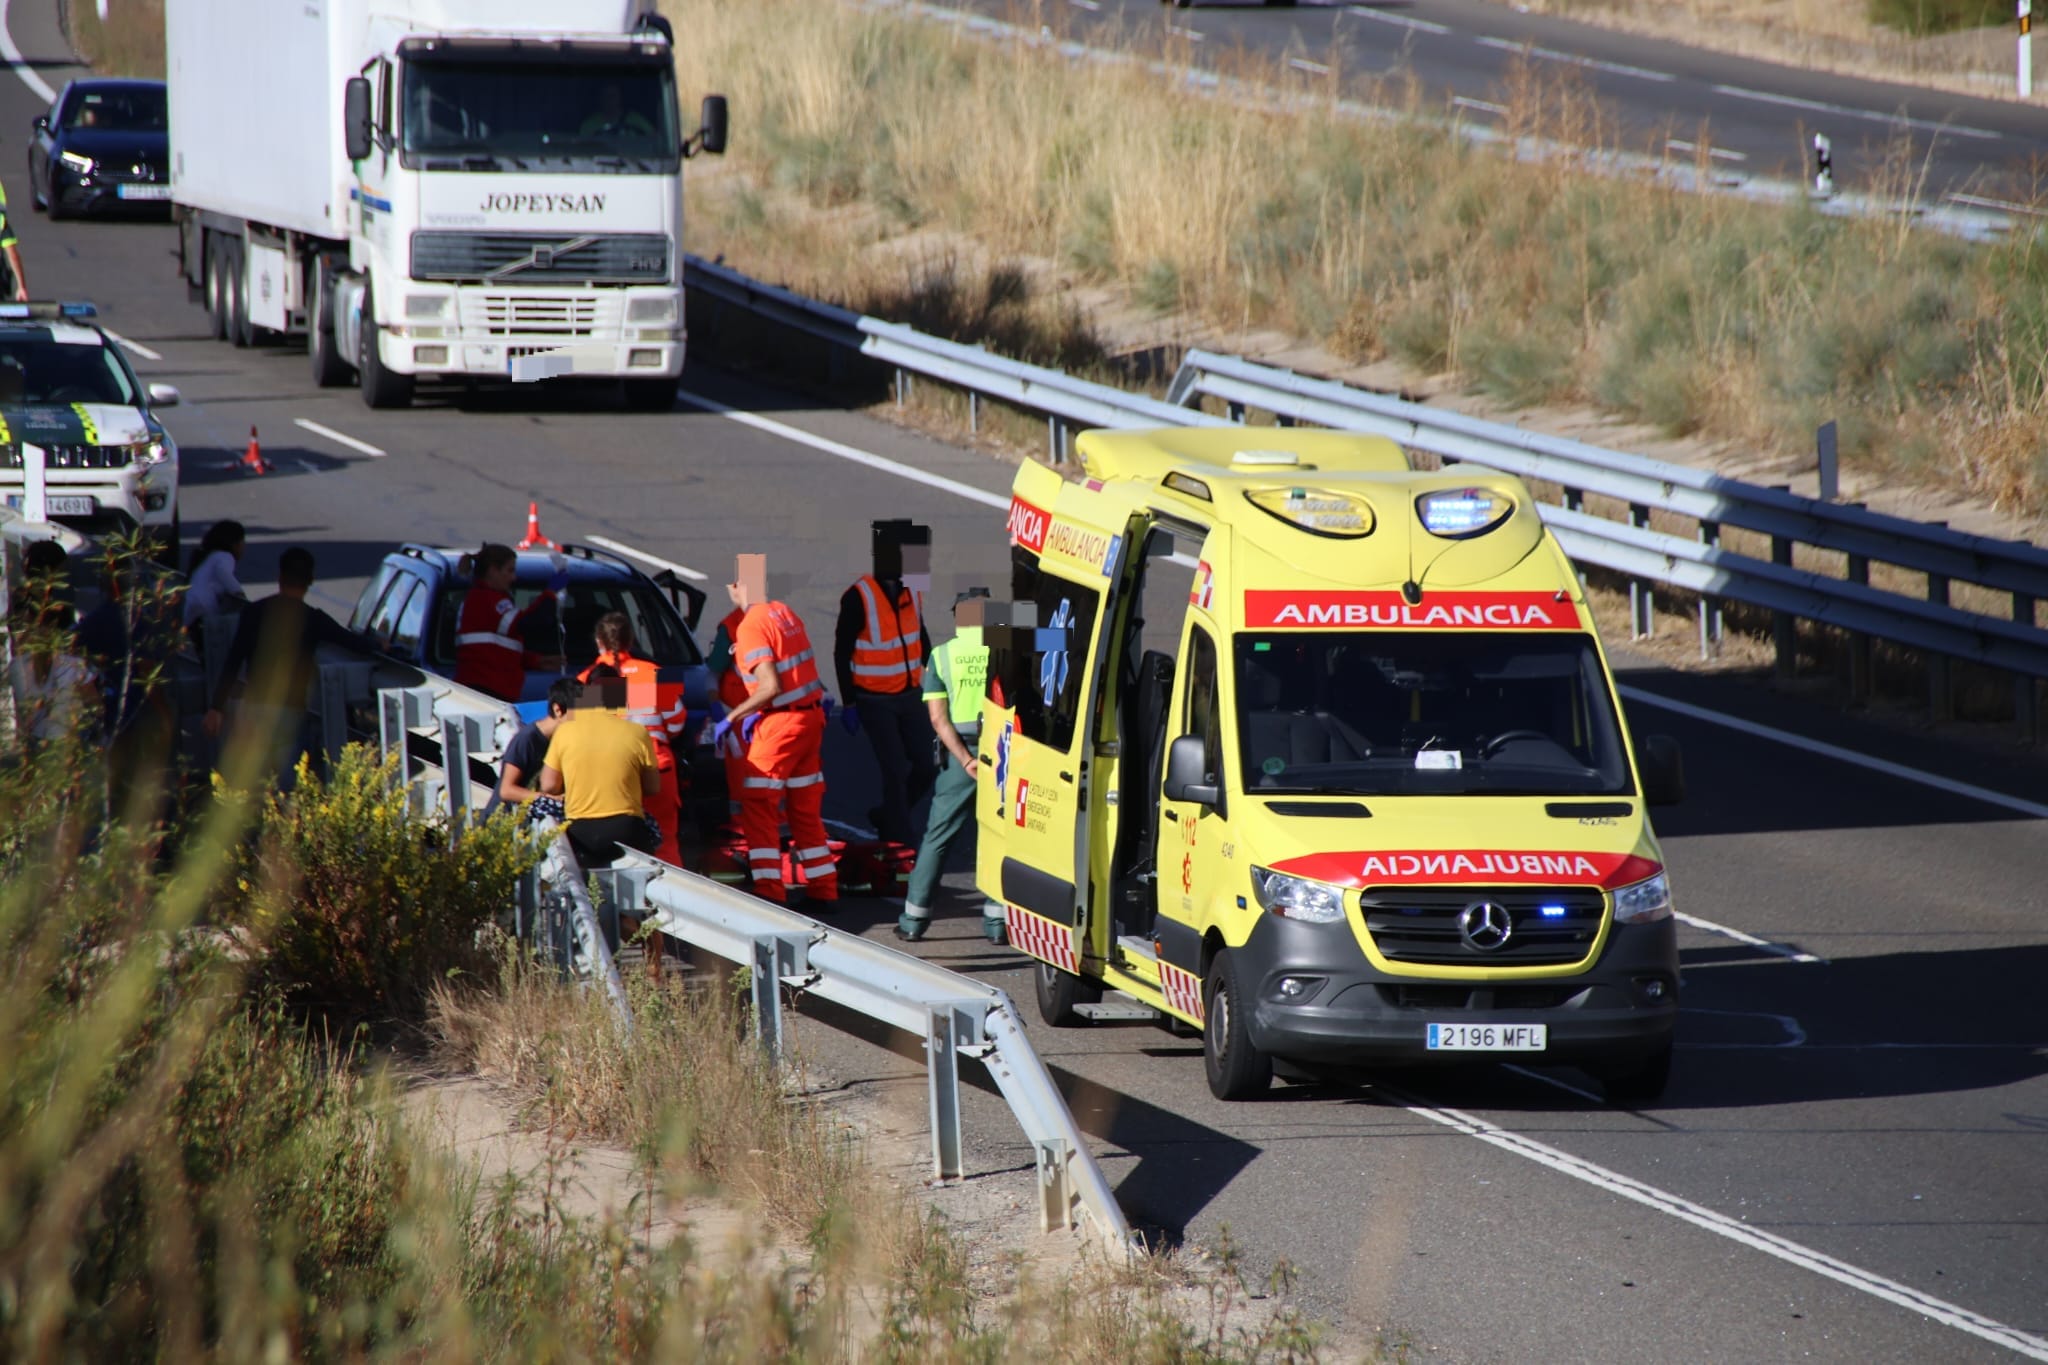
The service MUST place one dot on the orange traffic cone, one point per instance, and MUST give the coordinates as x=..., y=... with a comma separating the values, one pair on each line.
x=252, y=458
x=534, y=539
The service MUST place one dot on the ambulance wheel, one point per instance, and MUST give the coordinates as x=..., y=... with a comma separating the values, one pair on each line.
x=1639, y=1082
x=1236, y=1069
x=1059, y=992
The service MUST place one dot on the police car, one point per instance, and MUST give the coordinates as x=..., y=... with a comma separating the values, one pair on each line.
x=79, y=435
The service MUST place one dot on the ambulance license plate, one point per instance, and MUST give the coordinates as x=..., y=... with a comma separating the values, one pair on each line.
x=71, y=506
x=142, y=191
x=1488, y=1037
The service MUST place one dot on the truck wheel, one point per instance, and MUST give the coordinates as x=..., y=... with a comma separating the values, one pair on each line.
x=382, y=388
x=330, y=370
x=1638, y=1082
x=1236, y=1069
x=1059, y=992
x=240, y=334
x=216, y=289
x=650, y=395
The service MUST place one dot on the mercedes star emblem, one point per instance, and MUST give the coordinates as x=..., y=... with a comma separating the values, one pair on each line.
x=1486, y=925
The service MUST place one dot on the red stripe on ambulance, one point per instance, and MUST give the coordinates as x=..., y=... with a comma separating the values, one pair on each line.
x=1027, y=524
x=1042, y=938
x=1289, y=608
x=1470, y=867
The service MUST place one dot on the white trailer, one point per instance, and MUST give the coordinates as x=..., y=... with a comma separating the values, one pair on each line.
x=430, y=189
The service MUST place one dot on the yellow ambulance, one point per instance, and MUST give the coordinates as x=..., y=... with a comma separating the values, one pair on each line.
x=1320, y=755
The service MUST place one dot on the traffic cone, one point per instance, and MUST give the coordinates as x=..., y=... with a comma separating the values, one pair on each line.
x=534, y=539
x=252, y=458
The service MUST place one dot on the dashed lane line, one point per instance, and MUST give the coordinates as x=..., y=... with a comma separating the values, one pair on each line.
x=1846, y=111
x=656, y=560
x=1399, y=20
x=14, y=59
x=338, y=437
x=1551, y=54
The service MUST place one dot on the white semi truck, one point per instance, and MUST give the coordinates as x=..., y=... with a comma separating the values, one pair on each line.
x=436, y=189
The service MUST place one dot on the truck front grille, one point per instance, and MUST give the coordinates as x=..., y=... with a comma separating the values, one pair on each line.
x=1420, y=924
x=544, y=315
x=520, y=258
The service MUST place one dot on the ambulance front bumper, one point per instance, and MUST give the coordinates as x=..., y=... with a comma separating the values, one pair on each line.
x=1316, y=998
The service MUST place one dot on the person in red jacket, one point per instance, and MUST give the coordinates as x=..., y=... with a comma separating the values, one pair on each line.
x=658, y=708
x=490, y=635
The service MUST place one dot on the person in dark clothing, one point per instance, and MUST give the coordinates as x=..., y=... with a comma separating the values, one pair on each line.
x=275, y=643
x=519, y=766
x=878, y=651
x=128, y=640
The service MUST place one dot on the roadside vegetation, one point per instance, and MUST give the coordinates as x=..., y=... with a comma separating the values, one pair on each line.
x=1538, y=282
x=208, y=1023
x=129, y=42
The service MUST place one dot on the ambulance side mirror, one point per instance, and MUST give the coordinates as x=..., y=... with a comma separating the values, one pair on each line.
x=1663, y=771
x=1187, y=772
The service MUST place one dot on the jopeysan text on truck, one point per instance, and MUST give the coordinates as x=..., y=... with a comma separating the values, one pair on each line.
x=1320, y=754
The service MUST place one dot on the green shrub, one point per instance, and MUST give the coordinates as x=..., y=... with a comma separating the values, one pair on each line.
x=1922, y=17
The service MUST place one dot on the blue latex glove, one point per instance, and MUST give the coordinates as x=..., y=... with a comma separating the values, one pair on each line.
x=723, y=730
x=849, y=716
x=559, y=581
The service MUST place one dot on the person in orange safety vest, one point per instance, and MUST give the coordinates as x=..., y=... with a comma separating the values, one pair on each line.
x=879, y=651
x=732, y=690
x=780, y=724
x=490, y=634
x=658, y=708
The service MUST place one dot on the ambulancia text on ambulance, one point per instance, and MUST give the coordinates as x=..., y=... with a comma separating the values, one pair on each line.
x=1321, y=755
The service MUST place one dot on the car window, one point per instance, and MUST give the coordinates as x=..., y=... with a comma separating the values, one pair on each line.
x=1204, y=706
x=37, y=371
x=411, y=621
x=656, y=627
x=359, y=619
x=134, y=109
x=384, y=621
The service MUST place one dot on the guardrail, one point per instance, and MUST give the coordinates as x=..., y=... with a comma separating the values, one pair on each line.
x=784, y=950
x=1639, y=484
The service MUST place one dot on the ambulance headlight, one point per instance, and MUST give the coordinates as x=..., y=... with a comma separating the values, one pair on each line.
x=1297, y=897
x=1644, y=901
x=1455, y=513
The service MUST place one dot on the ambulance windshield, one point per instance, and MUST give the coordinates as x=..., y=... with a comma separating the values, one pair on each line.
x=1426, y=713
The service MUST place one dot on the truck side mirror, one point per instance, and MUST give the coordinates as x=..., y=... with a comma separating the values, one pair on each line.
x=355, y=118
x=711, y=125
x=1187, y=772
x=1663, y=771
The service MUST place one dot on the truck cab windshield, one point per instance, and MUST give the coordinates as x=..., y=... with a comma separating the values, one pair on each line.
x=466, y=112
x=1426, y=713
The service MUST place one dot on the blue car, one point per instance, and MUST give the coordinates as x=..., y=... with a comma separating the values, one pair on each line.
x=415, y=599
x=102, y=148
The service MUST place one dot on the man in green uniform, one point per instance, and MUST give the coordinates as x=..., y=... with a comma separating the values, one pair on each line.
x=954, y=681
x=15, y=285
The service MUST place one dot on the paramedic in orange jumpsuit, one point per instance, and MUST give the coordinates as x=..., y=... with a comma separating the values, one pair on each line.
x=781, y=722
x=658, y=708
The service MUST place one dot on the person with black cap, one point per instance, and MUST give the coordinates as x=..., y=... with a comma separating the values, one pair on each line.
x=879, y=650
x=954, y=684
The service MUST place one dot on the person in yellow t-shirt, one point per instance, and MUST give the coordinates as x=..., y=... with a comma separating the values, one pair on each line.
x=602, y=766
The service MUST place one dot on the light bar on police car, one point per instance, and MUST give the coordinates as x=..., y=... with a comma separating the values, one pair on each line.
x=1316, y=510
x=1455, y=513
x=48, y=310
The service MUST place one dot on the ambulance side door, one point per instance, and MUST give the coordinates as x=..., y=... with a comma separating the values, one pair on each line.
x=1195, y=849
x=1037, y=780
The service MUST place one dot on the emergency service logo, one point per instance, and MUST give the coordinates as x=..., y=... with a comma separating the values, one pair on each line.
x=1003, y=764
x=1053, y=662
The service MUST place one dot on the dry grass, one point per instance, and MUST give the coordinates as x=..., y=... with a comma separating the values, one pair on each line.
x=1535, y=282
x=129, y=43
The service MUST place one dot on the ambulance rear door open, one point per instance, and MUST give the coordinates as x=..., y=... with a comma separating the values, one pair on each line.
x=1037, y=741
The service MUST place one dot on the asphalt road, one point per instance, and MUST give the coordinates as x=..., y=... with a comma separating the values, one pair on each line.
x=1758, y=118
x=1850, y=1163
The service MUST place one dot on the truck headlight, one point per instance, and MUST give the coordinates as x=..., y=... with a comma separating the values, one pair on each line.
x=1297, y=897
x=421, y=306
x=651, y=308
x=77, y=161
x=1644, y=901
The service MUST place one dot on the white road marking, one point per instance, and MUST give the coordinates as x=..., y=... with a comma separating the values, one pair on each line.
x=1898, y=120
x=20, y=64
x=1194, y=35
x=1089, y=5
x=1978, y=201
x=1551, y=54
x=1304, y=64
x=1779, y=949
x=1820, y=1263
x=656, y=560
x=135, y=347
x=1401, y=20
x=1718, y=153
x=846, y=452
x=1466, y=102
x=2033, y=809
x=338, y=437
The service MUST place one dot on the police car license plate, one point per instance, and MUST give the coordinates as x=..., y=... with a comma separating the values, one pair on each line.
x=142, y=191
x=71, y=506
x=1488, y=1037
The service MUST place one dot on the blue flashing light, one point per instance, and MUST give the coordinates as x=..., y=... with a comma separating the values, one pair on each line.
x=78, y=310
x=1457, y=512
x=1552, y=911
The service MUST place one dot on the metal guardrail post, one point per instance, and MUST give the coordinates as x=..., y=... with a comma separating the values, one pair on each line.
x=1941, y=697
x=458, y=733
x=1857, y=571
x=778, y=960
x=1784, y=630
x=950, y=1029
x=2026, y=708
x=1710, y=607
x=1641, y=605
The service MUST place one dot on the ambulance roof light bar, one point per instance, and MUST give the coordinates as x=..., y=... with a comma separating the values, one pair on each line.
x=1266, y=458
x=1460, y=513
x=1317, y=511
